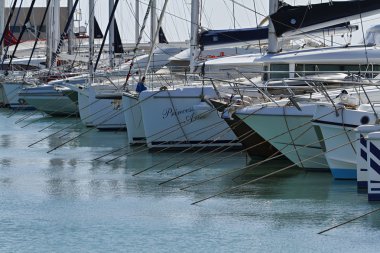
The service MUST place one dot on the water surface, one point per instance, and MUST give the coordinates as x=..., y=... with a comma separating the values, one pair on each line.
x=65, y=201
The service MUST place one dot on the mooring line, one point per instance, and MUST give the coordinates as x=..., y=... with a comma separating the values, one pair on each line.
x=349, y=221
x=265, y=176
x=282, y=154
x=176, y=125
x=260, y=162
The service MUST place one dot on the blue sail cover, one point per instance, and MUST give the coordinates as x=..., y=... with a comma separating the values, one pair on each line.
x=248, y=35
x=290, y=18
x=232, y=36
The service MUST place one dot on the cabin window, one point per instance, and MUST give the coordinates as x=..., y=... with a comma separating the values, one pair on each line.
x=265, y=75
x=279, y=71
x=376, y=69
x=314, y=69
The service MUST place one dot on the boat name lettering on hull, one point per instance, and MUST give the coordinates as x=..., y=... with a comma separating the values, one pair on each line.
x=170, y=112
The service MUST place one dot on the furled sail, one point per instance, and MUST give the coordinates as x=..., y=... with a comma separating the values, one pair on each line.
x=162, y=37
x=232, y=36
x=252, y=36
x=290, y=20
x=97, y=31
x=118, y=46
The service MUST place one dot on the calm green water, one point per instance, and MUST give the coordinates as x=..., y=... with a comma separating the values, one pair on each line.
x=64, y=201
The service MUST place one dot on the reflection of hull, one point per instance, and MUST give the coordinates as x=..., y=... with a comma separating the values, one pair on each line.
x=133, y=119
x=51, y=100
x=10, y=95
x=179, y=119
x=290, y=131
x=101, y=113
x=339, y=137
x=247, y=137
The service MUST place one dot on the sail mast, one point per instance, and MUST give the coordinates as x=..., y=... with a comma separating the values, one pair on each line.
x=70, y=35
x=91, y=21
x=137, y=27
x=111, y=33
x=194, y=49
x=155, y=36
x=153, y=21
x=272, y=38
x=2, y=28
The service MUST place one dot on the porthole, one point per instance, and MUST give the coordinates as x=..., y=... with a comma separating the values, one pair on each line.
x=364, y=120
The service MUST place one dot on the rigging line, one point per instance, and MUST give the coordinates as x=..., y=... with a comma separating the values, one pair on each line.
x=11, y=12
x=113, y=115
x=291, y=137
x=175, y=27
x=269, y=158
x=22, y=32
x=313, y=37
x=58, y=110
x=142, y=28
x=189, y=172
x=187, y=149
x=227, y=147
x=65, y=30
x=12, y=30
x=349, y=221
x=345, y=131
x=28, y=116
x=205, y=129
x=257, y=23
x=265, y=176
x=81, y=44
x=71, y=125
x=38, y=36
x=364, y=41
x=217, y=135
x=111, y=18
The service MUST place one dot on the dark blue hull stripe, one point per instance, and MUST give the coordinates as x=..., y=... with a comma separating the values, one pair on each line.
x=374, y=150
x=375, y=166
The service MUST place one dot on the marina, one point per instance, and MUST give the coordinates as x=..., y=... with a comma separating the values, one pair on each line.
x=248, y=137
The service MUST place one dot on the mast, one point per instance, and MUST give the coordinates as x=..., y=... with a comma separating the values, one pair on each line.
x=48, y=32
x=137, y=13
x=56, y=26
x=70, y=36
x=91, y=39
x=154, y=38
x=111, y=33
x=194, y=49
x=106, y=33
x=272, y=38
x=52, y=32
x=153, y=21
x=2, y=15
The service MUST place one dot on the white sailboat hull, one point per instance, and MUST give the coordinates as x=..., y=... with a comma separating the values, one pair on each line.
x=133, y=119
x=339, y=137
x=50, y=100
x=178, y=119
x=290, y=131
x=10, y=95
x=99, y=113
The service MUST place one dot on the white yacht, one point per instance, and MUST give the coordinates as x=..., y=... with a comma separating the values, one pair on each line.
x=336, y=125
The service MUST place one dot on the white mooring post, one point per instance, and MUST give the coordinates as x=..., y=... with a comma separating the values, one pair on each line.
x=373, y=166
